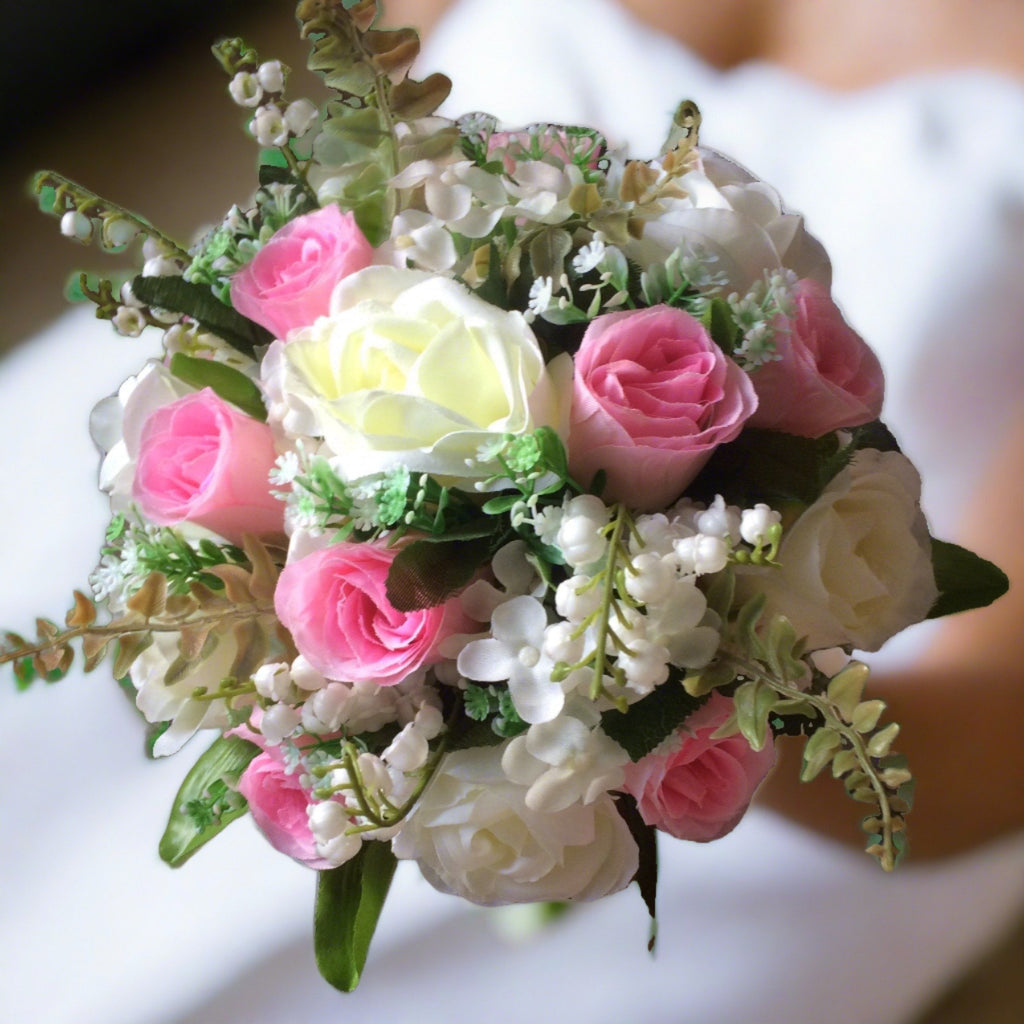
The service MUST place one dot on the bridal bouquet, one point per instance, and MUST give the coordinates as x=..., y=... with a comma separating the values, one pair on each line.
x=492, y=498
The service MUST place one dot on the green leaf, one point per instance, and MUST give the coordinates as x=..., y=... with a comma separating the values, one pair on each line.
x=818, y=751
x=198, y=302
x=652, y=720
x=223, y=762
x=721, y=325
x=646, y=876
x=427, y=572
x=232, y=385
x=349, y=900
x=965, y=580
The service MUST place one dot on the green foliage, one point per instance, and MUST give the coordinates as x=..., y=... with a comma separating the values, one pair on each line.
x=198, y=302
x=494, y=705
x=764, y=655
x=230, y=384
x=965, y=580
x=208, y=800
x=367, y=68
x=649, y=722
x=349, y=900
x=646, y=876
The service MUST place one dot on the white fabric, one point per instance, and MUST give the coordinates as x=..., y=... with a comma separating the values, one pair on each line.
x=917, y=190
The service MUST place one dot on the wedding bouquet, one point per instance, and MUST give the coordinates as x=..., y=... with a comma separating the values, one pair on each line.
x=493, y=498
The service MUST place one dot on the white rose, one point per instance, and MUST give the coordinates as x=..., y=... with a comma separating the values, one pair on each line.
x=473, y=836
x=856, y=566
x=735, y=218
x=174, y=703
x=412, y=369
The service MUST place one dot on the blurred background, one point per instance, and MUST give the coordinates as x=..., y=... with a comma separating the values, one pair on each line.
x=124, y=97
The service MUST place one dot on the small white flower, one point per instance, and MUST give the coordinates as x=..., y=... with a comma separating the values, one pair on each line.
x=117, y=232
x=329, y=822
x=286, y=469
x=564, y=761
x=702, y=554
x=580, y=537
x=300, y=116
x=720, y=520
x=408, y=751
x=161, y=266
x=129, y=321
x=278, y=722
x=756, y=523
x=268, y=127
x=589, y=257
x=76, y=225
x=270, y=75
x=646, y=667
x=541, y=292
x=651, y=578
x=575, y=600
x=245, y=89
x=273, y=681
x=514, y=652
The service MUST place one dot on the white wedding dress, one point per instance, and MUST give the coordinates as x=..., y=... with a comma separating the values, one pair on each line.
x=917, y=190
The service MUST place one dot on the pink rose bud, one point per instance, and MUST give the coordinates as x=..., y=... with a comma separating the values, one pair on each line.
x=701, y=789
x=279, y=807
x=334, y=603
x=653, y=396
x=826, y=377
x=289, y=282
x=202, y=460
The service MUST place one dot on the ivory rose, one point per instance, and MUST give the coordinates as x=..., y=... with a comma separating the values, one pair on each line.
x=473, y=835
x=334, y=603
x=700, y=787
x=409, y=369
x=289, y=282
x=727, y=215
x=856, y=567
x=826, y=376
x=202, y=460
x=279, y=806
x=653, y=396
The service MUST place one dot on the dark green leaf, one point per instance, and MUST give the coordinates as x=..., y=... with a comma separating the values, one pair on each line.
x=721, y=325
x=223, y=762
x=232, y=385
x=965, y=580
x=198, y=302
x=349, y=900
x=427, y=572
x=652, y=720
x=646, y=876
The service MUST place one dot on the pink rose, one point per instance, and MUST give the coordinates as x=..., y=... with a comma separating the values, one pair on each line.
x=653, y=396
x=278, y=804
x=289, y=282
x=701, y=789
x=827, y=376
x=334, y=603
x=200, y=459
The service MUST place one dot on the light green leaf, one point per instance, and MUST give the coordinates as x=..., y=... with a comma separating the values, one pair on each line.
x=223, y=762
x=232, y=385
x=349, y=900
x=818, y=752
x=846, y=687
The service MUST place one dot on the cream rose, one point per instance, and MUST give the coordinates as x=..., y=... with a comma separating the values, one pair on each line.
x=856, y=566
x=473, y=835
x=409, y=368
